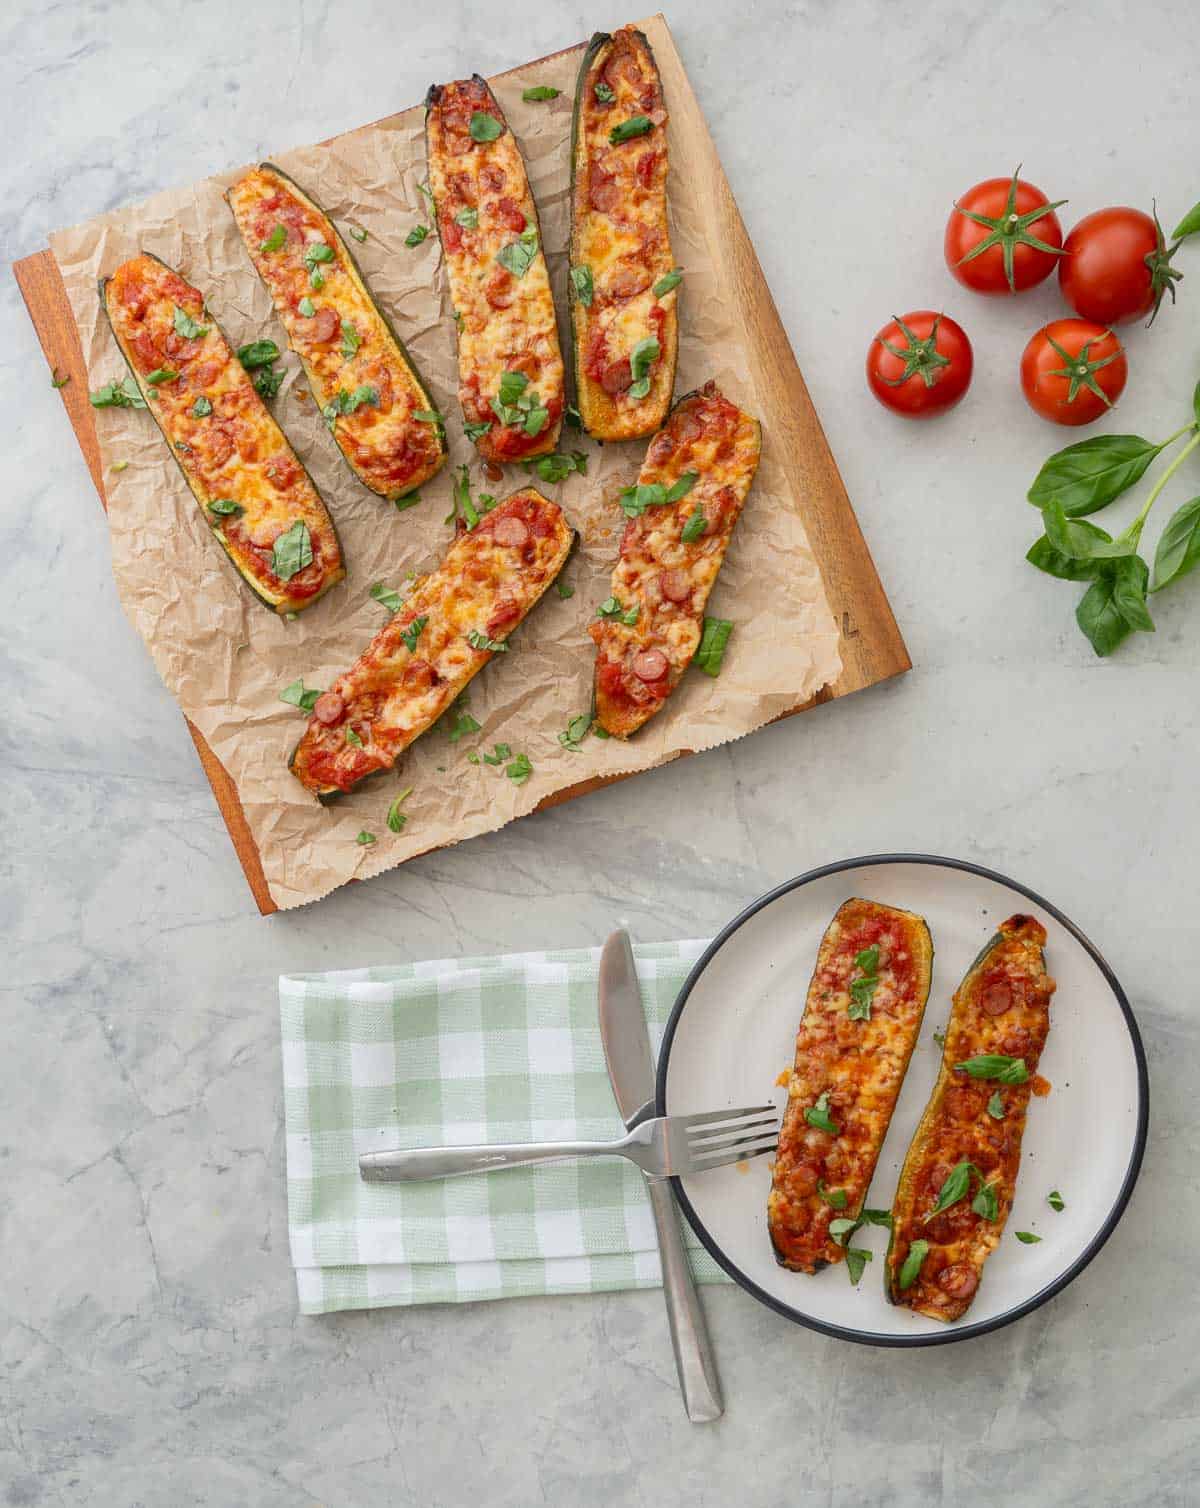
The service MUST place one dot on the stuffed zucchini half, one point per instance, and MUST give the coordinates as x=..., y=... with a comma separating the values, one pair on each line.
x=623, y=282
x=956, y=1187
x=362, y=378
x=865, y=1005
x=451, y=624
x=681, y=512
x=509, y=362
x=254, y=494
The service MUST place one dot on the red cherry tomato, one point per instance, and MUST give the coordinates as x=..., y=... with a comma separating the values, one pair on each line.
x=1003, y=236
x=1073, y=371
x=1117, y=266
x=920, y=365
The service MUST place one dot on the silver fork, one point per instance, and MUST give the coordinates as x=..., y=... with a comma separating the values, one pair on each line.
x=669, y=1146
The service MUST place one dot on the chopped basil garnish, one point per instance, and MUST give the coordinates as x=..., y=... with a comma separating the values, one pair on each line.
x=1027, y=1237
x=463, y=723
x=201, y=408
x=711, y=654
x=499, y=755
x=636, y=125
x=395, y=817
x=427, y=416
x=161, y=375
x=564, y=588
x=877, y=1217
x=585, y=289
x=695, y=526
x=613, y=607
x=314, y=253
x=917, y=1253
x=956, y=1186
x=357, y=232
x=407, y=500
x=57, y=381
x=364, y=839
x=306, y=307
x=834, y=1198
x=187, y=327
x=540, y=92
x=512, y=385
x=603, y=93
x=225, y=507
x=986, y=1203
x=292, y=551
x=857, y=1258
x=123, y=394
x=518, y=255
x=995, y=1107
x=862, y=989
x=413, y=632
x=940, y=1038
x=994, y=1065
x=268, y=381
x=1056, y=1201
x=296, y=696
x=479, y=640
x=645, y=354
x=416, y=235
x=351, y=340
x=520, y=770
x=259, y=353
x=458, y=320
x=518, y=405
x=575, y=732
x=349, y=403
x=468, y=218
x=668, y=281
x=818, y=1115
x=484, y=127
x=553, y=468
x=463, y=506
x=386, y=597
x=475, y=432
x=275, y=240
x=424, y=188
x=842, y=1229
x=353, y=739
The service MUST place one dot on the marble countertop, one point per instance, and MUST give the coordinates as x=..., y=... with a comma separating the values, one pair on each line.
x=152, y=1353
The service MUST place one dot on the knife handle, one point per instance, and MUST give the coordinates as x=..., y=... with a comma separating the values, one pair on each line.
x=698, y=1380
x=413, y=1164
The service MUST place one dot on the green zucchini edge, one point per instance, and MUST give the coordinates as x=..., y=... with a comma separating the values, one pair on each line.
x=284, y=605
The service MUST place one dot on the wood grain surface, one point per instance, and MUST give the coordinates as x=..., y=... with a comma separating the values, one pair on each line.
x=871, y=646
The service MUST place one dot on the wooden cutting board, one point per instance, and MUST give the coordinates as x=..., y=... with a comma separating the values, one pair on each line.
x=871, y=647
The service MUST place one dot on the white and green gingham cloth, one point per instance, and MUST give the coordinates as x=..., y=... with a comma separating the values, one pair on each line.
x=454, y=1052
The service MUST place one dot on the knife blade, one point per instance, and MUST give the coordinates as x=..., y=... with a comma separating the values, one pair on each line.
x=626, y=1042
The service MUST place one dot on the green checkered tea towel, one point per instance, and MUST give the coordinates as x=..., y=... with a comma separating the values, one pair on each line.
x=452, y=1052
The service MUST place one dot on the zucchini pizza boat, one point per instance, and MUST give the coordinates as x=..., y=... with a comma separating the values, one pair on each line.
x=865, y=1005
x=254, y=493
x=509, y=363
x=362, y=378
x=956, y=1187
x=623, y=281
x=682, y=511
x=451, y=624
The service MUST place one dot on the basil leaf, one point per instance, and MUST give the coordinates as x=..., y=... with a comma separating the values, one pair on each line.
x=668, y=281
x=484, y=127
x=1099, y=618
x=1043, y=555
x=564, y=588
x=612, y=607
x=956, y=1187
x=463, y=723
x=842, y=1229
x=462, y=500
x=259, y=353
x=877, y=1217
x=296, y=696
x=940, y=1038
x=917, y=1253
x=201, y=408
x=834, y=1198
x=1079, y=539
x=536, y=421
x=1027, y=1237
x=553, y=468
x=635, y=500
x=1179, y=546
x=636, y=125
x=710, y=656
x=187, y=327
x=995, y=1107
x=351, y=340
x=427, y=416
x=862, y=992
x=1189, y=225
x=585, y=289
x=412, y=633
x=1087, y=477
x=292, y=551
x=518, y=256
x=818, y=1115
x=603, y=93
x=276, y=240
x=468, y=218
x=407, y=500
x=645, y=354
x=306, y=308
x=395, y=817
x=317, y=251
x=122, y=394
x=479, y=640
x=161, y=375
x=986, y=1202
x=475, y=432
x=512, y=385
x=520, y=770
x=1056, y=1201
x=268, y=381
x=349, y=403
x=353, y=739
x=575, y=732
x=1130, y=579
x=499, y=755
x=695, y=526
x=416, y=235
x=994, y=1065
x=225, y=507
x=540, y=92
x=365, y=839
x=357, y=232
x=387, y=598
x=857, y=1258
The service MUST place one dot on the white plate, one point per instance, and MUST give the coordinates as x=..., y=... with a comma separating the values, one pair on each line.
x=733, y=1030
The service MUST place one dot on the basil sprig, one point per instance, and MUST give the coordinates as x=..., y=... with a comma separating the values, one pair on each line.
x=636, y=125
x=818, y=1115
x=994, y=1065
x=710, y=653
x=917, y=1252
x=395, y=817
x=292, y=551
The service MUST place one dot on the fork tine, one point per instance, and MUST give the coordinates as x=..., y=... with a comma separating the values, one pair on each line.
x=689, y=1122
x=708, y=1148
x=742, y=1155
x=709, y=1135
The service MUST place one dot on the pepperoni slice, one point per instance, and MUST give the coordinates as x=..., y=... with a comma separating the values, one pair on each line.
x=492, y=177
x=662, y=447
x=324, y=325
x=616, y=377
x=511, y=532
x=1016, y=1043
x=687, y=426
x=498, y=290
x=804, y=1178
x=329, y=709
x=628, y=281
x=645, y=168
x=504, y=615
x=510, y=213
x=604, y=194
x=963, y=1103
x=675, y=586
x=958, y=1280
x=650, y=665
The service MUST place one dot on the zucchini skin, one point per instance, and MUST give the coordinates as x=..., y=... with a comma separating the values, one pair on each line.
x=859, y=1064
x=956, y=1124
x=602, y=418
x=399, y=352
x=281, y=604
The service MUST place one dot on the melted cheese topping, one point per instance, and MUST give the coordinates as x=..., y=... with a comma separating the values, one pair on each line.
x=859, y=1065
x=665, y=578
x=341, y=338
x=490, y=579
x=505, y=321
x=1003, y=1007
x=620, y=234
x=232, y=449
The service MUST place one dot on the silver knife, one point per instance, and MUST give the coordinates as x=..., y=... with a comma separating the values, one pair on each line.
x=631, y=1070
